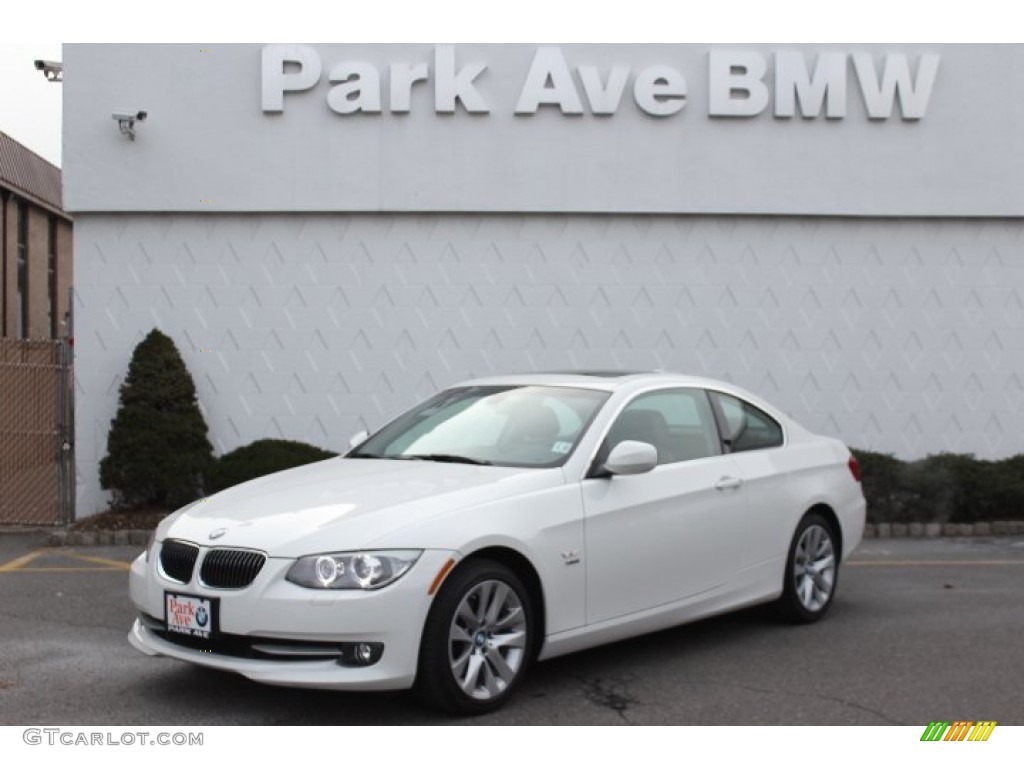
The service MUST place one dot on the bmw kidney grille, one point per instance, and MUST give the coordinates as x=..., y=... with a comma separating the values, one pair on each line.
x=220, y=569
x=177, y=559
x=230, y=568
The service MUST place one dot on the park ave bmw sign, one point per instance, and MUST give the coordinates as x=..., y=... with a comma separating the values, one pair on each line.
x=740, y=83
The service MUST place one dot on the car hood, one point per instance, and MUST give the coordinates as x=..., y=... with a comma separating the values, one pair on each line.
x=345, y=504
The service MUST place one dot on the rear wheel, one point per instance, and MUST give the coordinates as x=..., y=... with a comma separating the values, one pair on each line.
x=812, y=571
x=477, y=641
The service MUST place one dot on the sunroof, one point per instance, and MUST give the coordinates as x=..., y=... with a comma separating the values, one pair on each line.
x=609, y=374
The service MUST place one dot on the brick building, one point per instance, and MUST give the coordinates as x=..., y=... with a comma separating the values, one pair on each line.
x=35, y=245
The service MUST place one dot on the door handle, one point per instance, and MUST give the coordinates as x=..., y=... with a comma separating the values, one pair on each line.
x=728, y=483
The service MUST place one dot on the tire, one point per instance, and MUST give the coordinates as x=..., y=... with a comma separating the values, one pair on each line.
x=477, y=642
x=812, y=571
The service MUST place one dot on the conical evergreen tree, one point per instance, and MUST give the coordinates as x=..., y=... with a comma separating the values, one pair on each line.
x=157, y=448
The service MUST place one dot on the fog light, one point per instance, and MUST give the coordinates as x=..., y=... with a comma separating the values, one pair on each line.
x=360, y=654
x=364, y=653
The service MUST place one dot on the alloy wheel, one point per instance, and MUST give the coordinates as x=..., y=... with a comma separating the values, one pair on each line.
x=814, y=568
x=487, y=639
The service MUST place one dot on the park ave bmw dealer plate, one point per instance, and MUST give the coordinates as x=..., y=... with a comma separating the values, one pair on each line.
x=189, y=615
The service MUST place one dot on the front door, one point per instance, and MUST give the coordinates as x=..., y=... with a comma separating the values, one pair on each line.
x=671, y=533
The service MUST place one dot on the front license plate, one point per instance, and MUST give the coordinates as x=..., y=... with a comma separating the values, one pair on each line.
x=190, y=615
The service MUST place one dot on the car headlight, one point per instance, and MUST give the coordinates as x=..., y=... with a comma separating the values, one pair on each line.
x=352, y=570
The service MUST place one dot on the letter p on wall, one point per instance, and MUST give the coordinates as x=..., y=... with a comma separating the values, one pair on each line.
x=287, y=68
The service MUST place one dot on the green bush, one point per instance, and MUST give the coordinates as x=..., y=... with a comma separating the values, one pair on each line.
x=882, y=485
x=261, y=458
x=1005, y=492
x=157, y=451
x=945, y=487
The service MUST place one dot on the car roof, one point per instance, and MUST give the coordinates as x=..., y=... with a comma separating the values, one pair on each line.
x=607, y=380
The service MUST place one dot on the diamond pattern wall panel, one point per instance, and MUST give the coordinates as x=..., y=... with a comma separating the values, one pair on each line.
x=896, y=335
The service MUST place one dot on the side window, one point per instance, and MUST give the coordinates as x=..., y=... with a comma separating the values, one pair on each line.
x=747, y=428
x=679, y=423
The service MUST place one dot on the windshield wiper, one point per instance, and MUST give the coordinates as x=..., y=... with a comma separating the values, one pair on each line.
x=450, y=458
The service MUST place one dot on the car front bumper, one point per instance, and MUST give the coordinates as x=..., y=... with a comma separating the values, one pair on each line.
x=268, y=620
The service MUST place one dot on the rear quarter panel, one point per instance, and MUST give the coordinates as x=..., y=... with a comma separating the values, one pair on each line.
x=782, y=484
x=820, y=474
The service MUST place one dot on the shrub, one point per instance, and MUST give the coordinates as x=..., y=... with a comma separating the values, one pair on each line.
x=882, y=473
x=945, y=487
x=157, y=451
x=1007, y=489
x=261, y=458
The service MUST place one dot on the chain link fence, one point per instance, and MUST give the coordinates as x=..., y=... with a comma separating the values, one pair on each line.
x=36, y=432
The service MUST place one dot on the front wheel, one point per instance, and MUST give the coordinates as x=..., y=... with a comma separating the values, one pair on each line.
x=812, y=571
x=478, y=640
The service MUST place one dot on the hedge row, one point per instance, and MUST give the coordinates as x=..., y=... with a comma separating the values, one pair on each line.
x=943, y=488
x=260, y=458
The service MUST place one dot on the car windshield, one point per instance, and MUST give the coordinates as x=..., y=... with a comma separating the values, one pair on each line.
x=514, y=426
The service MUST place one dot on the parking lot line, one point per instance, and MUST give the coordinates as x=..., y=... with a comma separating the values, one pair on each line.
x=17, y=563
x=22, y=564
x=121, y=565
x=912, y=563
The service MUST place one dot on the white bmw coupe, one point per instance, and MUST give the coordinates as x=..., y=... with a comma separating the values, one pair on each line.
x=505, y=520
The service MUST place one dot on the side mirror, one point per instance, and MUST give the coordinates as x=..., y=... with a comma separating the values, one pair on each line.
x=357, y=438
x=631, y=457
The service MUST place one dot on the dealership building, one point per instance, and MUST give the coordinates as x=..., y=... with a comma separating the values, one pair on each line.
x=331, y=232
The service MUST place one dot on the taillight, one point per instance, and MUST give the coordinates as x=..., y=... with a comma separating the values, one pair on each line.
x=854, y=468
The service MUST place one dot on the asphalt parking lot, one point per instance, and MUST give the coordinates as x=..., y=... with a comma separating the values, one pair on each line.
x=922, y=629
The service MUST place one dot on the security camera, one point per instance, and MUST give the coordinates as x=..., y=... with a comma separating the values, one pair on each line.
x=126, y=122
x=52, y=70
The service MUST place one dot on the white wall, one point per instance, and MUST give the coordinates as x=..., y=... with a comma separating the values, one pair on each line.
x=899, y=335
x=321, y=271
x=208, y=145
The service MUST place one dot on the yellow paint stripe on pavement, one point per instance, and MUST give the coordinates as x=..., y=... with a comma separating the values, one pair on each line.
x=69, y=570
x=21, y=564
x=20, y=561
x=907, y=563
x=122, y=565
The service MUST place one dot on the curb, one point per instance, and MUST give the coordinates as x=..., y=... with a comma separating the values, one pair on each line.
x=871, y=531
x=937, y=530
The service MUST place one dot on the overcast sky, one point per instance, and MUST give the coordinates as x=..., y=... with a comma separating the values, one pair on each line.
x=30, y=107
